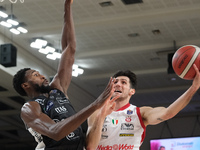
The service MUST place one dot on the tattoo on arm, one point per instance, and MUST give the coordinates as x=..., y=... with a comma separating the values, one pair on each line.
x=159, y=119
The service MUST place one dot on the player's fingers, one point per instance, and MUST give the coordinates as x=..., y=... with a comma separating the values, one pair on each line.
x=109, y=83
x=113, y=106
x=196, y=69
x=114, y=98
x=195, y=66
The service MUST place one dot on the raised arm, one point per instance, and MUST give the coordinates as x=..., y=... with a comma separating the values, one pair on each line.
x=95, y=124
x=156, y=115
x=64, y=73
x=68, y=32
x=33, y=117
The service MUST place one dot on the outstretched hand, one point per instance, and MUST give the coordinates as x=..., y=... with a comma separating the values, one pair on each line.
x=108, y=107
x=105, y=97
x=196, y=80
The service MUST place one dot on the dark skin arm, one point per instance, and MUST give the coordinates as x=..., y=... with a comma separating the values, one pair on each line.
x=31, y=112
x=63, y=77
x=40, y=122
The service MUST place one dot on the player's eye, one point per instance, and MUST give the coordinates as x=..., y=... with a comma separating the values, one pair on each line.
x=36, y=74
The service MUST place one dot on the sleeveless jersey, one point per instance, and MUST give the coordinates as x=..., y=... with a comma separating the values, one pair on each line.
x=123, y=130
x=58, y=107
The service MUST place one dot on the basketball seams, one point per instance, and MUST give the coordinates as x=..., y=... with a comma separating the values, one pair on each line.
x=183, y=60
x=192, y=60
x=177, y=60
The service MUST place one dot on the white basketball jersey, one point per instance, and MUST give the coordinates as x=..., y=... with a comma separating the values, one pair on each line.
x=123, y=130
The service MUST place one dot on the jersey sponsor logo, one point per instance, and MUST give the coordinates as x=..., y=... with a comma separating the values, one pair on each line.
x=104, y=128
x=116, y=147
x=53, y=91
x=126, y=134
x=72, y=136
x=51, y=97
x=129, y=112
x=59, y=97
x=56, y=120
x=40, y=101
x=115, y=121
x=128, y=119
x=104, y=136
x=38, y=136
x=106, y=120
x=49, y=106
x=101, y=147
x=62, y=100
x=61, y=110
x=127, y=126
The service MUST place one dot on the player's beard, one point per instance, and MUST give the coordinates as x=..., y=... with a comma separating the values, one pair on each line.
x=42, y=88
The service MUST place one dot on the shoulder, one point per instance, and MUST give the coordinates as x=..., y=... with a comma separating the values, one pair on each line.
x=144, y=110
x=30, y=109
x=29, y=105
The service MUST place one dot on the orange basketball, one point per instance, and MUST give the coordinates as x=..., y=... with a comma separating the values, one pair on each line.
x=183, y=60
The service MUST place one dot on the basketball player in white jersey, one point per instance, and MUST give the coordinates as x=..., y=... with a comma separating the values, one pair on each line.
x=121, y=125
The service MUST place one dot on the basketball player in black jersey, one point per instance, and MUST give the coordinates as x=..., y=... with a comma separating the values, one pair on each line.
x=49, y=115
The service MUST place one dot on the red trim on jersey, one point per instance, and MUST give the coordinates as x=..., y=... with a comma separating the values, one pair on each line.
x=124, y=107
x=141, y=122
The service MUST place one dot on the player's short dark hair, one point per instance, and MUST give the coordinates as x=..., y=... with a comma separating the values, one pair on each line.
x=18, y=79
x=132, y=77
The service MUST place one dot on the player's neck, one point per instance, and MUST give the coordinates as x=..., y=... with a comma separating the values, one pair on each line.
x=36, y=94
x=121, y=103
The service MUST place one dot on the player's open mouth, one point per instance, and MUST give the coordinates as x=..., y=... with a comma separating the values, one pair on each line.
x=116, y=91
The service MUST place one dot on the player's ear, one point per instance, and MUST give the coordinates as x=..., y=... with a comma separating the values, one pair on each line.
x=132, y=91
x=24, y=85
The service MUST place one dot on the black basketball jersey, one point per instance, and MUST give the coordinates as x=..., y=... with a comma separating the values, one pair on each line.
x=58, y=107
